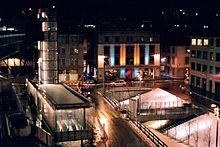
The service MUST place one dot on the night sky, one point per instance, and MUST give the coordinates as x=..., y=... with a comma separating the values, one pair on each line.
x=108, y=8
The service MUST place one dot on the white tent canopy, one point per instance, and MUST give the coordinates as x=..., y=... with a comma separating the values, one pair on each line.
x=160, y=98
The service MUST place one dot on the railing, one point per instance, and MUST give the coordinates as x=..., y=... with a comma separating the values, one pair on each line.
x=74, y=135
x=156, y=140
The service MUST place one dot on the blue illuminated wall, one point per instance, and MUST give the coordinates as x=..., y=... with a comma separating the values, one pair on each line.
x=136, y=72
x=112, y=56
x=122, y=73
x=147, y=54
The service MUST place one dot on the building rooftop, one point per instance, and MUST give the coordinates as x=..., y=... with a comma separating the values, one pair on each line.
x=63, y=97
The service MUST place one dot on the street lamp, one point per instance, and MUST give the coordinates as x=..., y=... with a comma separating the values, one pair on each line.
x=216, y=112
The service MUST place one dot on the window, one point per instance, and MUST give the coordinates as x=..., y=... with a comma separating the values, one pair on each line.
x=193, y=41
x=211, y=42
x=217, y=42
x=173, y=50
x=204, y=68
x=129, y=55
x=193, y=53
x=211, y=70
x=129, y=39
x=117, y=39
x=151, y=39
x=198, y=81
x=151, y=59
x=217, y=56
x=199, y=42
x=199, y=54
x=205, y=42
x=193, y=66
x=151, y=47
x=106, y=50
x=117, y=55
x=106, y=39
x=217, y=70
x=142, y=38
x=205, y=55
x=142, y=54
x=192, y=80
x=211, y=57
x=62, y=51
x=186, y=60
x=198, y=67
x=173, y=60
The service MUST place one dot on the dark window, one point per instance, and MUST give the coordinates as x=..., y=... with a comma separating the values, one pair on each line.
x=211, y=57
x=129, y=55
x=217, y=70
x=117, y=55
x=211, y=42
x=193, y=66
x=106, y=39
x=204, y=68
x=168, y=59
x=152, y=48
x=217, y=42
x=106, y=50
x=186, y=60
x=151, y=59
x=192, y=80
x=129, y=38
x=193, y=53
x=173, y=50
x=205, y=55
x=217, y=57
x=117, y=39
x=173, y=60
x=198, y=81
x=198, y=67
x=67, y=39
x=211, y=69
x=142, y=54
x=199, y=54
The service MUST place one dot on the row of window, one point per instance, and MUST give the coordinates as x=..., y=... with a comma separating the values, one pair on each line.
x=71, y=51
x=71, y=62
x=205, y=55
x=118, y=39
x=10, y=39
x=70, y=39
x=204, y=68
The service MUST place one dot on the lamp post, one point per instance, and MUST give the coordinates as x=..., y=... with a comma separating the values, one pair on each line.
x=216, y=112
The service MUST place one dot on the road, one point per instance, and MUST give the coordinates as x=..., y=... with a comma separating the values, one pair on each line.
x=119, y=133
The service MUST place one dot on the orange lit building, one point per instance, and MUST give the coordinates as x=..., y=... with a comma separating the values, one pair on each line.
x=129, y=54
x=175, y=61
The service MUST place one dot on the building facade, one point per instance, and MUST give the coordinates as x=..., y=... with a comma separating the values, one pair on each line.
x=205, y=64
x=128, y=54
x=72, y=50
x=175, y=61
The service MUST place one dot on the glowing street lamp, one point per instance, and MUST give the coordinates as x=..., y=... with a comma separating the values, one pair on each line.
x=216, y=112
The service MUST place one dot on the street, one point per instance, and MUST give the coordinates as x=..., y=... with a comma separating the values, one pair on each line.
x=118, y=132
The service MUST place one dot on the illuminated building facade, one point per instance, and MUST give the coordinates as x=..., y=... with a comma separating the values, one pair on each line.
x=175, y=61
x=48, y=60
x=129, y=54
x=205, y=64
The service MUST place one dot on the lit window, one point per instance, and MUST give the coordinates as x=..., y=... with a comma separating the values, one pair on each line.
x=151, y=39
x=199, y=42
x=205, y=42
x=193, y=41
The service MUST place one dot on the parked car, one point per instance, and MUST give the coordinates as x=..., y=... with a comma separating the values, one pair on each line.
x=118, y=83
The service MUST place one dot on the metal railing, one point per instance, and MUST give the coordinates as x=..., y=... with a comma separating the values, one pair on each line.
x=156, y=140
